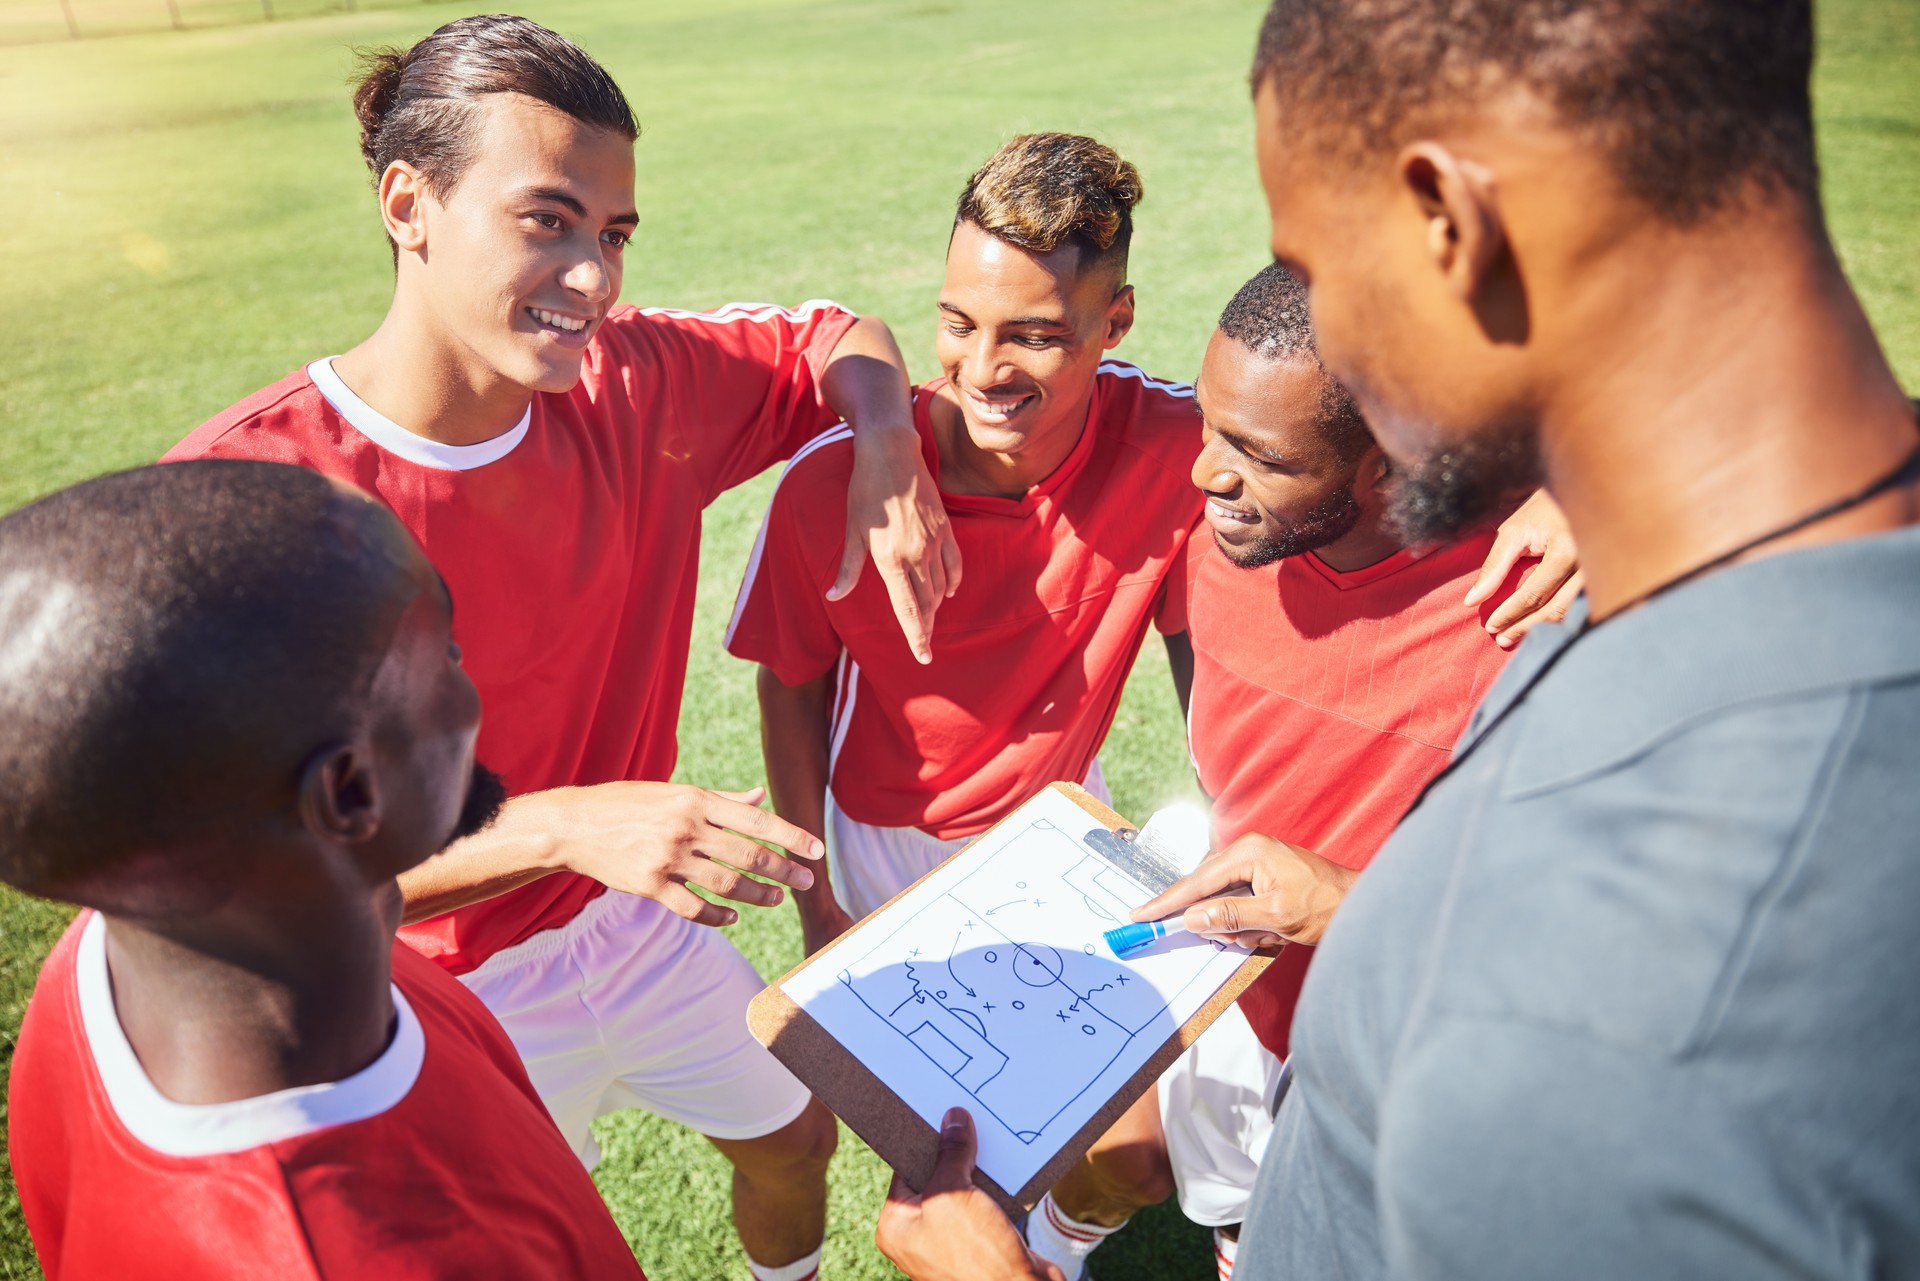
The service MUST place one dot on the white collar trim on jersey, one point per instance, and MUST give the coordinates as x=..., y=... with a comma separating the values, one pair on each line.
x=211, y=1129
x=395, y=439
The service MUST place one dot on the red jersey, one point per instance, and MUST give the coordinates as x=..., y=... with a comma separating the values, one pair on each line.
x=1324, y=702
x=571, y=543
x=1029, y=658
x=436, y=1161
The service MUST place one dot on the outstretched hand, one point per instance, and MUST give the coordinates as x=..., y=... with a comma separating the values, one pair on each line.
x=1295, y=894
x=1536, y=528
x=951, y=1230
x=894, y=515
x=656, y=839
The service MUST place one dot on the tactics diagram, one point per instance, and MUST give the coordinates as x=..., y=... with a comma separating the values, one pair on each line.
x=1004, y=984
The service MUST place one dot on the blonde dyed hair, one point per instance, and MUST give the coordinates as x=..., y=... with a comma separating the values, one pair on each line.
x=1045, y=190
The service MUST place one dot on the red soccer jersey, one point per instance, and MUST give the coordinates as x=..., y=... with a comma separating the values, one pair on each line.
x=571, y=544
x=1323, y=702
x=1028, y=659
x=436, y=1161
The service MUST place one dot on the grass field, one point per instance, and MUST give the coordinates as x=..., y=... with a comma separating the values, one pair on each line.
x=190, y=220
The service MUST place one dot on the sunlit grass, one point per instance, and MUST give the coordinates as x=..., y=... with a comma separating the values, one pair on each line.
x=189, y=220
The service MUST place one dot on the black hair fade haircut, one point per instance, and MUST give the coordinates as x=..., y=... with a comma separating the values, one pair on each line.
x=1695, y=102
x=1271, y=318
x=417, y=104
x=175, y=642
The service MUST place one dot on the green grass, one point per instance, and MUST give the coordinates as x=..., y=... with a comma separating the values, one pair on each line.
x=188, y=220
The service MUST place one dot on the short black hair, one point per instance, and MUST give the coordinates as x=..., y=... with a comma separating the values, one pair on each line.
x=1271, y=318
x=175, y=642
x=1695, y=102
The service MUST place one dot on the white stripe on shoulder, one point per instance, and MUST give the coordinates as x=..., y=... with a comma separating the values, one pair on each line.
x=754, y=311
x=1122, y=369
x=827, y=437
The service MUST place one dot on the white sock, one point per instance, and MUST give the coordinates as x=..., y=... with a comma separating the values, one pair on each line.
x=1224, y=1250
x=807, y=1269
x=1062, y=1241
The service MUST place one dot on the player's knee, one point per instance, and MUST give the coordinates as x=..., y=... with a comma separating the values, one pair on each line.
x=1138, y=1173
x=803, y=1146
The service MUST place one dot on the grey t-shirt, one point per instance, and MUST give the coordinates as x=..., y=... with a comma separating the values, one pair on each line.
x=1634, y=991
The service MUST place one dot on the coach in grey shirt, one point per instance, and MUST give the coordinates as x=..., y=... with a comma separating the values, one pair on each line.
x=1647, y=952
x=1634, y=990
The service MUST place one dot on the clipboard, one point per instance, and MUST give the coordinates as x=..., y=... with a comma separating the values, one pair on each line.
x=890, y=1125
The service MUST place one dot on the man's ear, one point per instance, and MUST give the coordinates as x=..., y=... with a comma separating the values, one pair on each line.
x=1119, y=318
x=339, y=797
x=1465, y=237
x=403, y=195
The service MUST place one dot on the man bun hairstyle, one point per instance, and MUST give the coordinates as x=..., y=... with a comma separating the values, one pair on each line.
x=1270, y=317
x=417, y=104
x=1696, y=103
x=175, y=643
x=1046, y=190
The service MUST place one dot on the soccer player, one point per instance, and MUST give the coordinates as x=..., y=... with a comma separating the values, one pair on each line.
x=1064, y=474
x=234, y=714
x=553, y=452
x=1334, y=666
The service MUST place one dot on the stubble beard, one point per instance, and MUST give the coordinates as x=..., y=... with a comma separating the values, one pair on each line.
x=1328, y=523
x=1447, y=492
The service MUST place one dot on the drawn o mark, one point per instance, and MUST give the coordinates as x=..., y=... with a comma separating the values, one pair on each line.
x=1087, y=1028
x=1019, y=1005
x=940, y=995
x=1019, y=885
x=1087, y=948
x=992, y=957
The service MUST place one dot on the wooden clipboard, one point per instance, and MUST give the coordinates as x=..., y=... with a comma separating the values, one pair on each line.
x=892, y=1128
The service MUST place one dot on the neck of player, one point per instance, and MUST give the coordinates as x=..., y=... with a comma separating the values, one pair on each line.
x=969, y=465
x=1733, y=391
x=425, y=380
x=221, y=1008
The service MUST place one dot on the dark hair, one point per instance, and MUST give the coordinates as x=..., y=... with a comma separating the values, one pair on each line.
x=416, y=105
x=1270, y=317
x=175, y=643
x=1695, y=102
x=1045, y=190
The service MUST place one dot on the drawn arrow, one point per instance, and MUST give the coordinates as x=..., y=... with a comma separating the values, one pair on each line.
x=955, y=977
x=1009, y=903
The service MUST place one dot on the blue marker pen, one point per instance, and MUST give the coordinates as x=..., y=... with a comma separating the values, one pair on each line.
x=1124, y=940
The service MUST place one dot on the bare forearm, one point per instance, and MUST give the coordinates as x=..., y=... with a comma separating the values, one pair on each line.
x=519, y=847
x=794, y=728
x=865, y=382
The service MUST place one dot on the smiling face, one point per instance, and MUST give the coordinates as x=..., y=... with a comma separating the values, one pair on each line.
x=1021, y=337
x=1442, y=376
x=516, y=267
x=1275, y=485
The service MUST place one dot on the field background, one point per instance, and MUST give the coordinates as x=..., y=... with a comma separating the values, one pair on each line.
x=188, y=219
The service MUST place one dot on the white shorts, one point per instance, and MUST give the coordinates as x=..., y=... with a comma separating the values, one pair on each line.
x=628, y=1005
x=1216, y=1106
x=868, y=865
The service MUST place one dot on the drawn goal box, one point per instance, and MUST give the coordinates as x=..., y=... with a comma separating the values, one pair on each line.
x=985, y=985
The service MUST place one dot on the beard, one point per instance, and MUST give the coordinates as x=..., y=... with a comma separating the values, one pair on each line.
x=486, y=793
x=1441, y=495
x=1327, y=523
